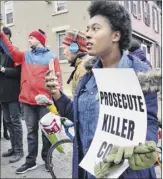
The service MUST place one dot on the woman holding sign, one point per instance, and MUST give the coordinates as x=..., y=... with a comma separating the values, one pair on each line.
x=108, y=35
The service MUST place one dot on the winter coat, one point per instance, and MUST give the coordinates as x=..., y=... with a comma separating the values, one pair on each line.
x=35, y=64
x=79, y=70
x=84, y=110
x=141, y=55
x=10, y=79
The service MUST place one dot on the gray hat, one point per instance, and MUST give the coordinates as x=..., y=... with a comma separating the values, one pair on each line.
x=134, y=45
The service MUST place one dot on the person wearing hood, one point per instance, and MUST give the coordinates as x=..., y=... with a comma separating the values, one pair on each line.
x=9, y=92
x=108, y=36
x=135, y=49
x=34, y=64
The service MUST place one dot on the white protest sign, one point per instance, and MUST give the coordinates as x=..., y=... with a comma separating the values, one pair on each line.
x=122, y=116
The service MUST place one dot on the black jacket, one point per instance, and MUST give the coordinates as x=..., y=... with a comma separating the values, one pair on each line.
x=10, y=80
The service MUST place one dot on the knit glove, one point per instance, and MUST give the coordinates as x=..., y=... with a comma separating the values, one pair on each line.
x=118, y=154
x=139, y=157
x=102, y=169
x=144, y=156
x=108, y=165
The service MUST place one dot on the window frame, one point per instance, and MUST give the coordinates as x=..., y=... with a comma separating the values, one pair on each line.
x=126, y=5
x=59, y=46
x=136, y=14
x=154, y=20
x=56, y=7
x=135, y=3
x=146, y=13
x=12, y=11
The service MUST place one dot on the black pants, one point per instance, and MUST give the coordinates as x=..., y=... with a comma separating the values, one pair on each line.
x=32, y=116
x=12, y=119
x=2, y=121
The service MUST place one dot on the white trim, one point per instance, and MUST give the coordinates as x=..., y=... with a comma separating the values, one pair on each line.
x=134, y=33
x=156, y=25
x=60, y=12
x=60, y=28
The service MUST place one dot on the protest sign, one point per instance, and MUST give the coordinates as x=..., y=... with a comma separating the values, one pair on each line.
x=122, y=117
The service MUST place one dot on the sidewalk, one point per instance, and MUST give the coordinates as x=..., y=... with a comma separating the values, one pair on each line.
x=8, y=170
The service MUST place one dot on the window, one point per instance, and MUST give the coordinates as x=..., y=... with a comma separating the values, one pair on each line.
x=9, y=9
x=136, y=9
x=126, y=5
x=146, y=13
x=146, y=50
x=60, y=6
x=60, y=37
x=121, y=2
x=155, y=19
x=159, y=57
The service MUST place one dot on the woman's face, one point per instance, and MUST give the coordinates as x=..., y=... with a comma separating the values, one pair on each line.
x=100, y=37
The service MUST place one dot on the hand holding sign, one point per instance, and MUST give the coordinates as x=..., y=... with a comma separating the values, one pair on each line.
x=139, y=157
x=122, y=114
x=112, y=161
x=144, y=156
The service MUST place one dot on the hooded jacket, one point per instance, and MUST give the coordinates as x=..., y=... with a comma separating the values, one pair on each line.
x=34, y=64
x=79, y=71
x=141, y=55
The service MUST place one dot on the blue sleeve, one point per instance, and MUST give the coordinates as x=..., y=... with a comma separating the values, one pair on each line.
x=65, y=107
x=5, y=48
x=152, y=120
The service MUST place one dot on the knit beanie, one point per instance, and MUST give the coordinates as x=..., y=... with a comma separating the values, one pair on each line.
x=39, y=36
x=80, y=40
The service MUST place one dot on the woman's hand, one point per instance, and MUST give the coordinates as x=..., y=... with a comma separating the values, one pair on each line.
x=52, y=85
x=139, y=157
x=144, y=156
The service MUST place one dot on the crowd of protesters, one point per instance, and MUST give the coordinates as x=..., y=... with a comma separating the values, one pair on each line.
x=24, y=75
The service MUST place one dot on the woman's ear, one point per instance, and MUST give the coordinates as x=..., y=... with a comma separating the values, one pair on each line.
x=116, y=36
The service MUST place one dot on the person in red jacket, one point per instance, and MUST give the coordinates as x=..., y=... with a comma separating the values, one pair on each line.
x=34, y=67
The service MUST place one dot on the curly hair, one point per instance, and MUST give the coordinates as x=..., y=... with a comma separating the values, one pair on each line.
x=7, y=31
x=117, y=16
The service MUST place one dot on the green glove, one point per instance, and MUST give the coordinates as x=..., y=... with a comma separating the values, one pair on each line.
x=149, y=146
x=118, y=154
x=110, y=163
x=144, y=156
x=102, y=169
x=139, y=157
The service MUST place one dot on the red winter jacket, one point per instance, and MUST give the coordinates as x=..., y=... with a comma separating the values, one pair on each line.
x=35, y=64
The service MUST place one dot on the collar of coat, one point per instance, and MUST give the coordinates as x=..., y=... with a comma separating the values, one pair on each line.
x=78, y=58
x=149, y=79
